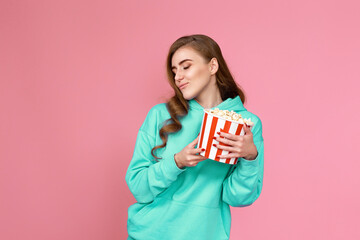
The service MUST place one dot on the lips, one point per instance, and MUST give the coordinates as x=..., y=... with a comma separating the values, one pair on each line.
x=183, y=85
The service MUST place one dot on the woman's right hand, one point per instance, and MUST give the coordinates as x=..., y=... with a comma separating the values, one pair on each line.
x=188, y=156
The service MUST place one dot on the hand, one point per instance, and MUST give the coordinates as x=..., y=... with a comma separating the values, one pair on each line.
x=238, y=146
x=187, y=157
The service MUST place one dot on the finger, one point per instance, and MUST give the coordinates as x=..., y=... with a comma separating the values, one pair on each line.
x=225, y=147
x=230, y=155
x=197, y=137
x=224, y=141
x=227, y=135
x=246, y=129
x=199, y=158
x=197, y=150
x=193, y=143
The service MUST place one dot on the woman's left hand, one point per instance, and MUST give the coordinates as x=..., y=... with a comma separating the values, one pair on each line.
x=238, y=146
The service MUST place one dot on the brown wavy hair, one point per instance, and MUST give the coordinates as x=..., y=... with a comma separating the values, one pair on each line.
x=177, y=105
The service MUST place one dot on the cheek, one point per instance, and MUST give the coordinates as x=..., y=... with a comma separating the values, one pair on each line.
x=198, y=74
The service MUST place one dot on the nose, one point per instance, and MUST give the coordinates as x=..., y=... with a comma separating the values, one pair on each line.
x=178, y=76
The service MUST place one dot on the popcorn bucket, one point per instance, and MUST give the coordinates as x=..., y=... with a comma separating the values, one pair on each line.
x=211, y=124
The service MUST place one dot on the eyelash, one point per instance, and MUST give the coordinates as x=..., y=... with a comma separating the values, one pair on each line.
x=184, y=68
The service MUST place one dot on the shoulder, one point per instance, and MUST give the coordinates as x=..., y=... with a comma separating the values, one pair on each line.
x=159, y=108
x=157, y=111
x=155, y=115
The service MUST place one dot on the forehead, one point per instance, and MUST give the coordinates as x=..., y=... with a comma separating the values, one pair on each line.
x=184, y=53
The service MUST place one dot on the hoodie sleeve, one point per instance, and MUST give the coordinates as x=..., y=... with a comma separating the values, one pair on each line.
x=145, y=177
x=243, y=186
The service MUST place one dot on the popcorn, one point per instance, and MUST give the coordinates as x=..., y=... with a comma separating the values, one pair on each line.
x=214, y=121
x=230, y=115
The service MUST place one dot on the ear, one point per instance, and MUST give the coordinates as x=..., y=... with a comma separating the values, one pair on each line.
x=214, y=65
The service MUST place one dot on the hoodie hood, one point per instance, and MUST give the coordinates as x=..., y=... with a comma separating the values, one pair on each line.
x=229, y=104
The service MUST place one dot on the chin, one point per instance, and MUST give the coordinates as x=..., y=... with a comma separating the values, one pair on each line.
x=188, y=96
x=190, y=92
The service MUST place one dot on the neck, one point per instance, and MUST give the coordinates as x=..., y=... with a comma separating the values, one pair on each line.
x=210, y=97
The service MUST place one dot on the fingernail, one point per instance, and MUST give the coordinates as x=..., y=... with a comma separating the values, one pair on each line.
x=218, y=133
x=214, y=145
x=214, y=137
x=203, y=149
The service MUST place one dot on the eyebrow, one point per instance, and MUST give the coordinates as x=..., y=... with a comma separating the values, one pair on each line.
x=181, y=63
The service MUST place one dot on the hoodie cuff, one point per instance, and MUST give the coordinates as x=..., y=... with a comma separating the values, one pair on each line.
x=250, y=166
x=170, y=167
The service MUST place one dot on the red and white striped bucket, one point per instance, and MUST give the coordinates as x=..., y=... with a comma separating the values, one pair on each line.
x=211, y=124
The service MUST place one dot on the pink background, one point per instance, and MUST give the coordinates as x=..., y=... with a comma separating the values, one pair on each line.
x=77, y=79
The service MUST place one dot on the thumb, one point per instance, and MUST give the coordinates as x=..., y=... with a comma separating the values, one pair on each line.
x=193, y=143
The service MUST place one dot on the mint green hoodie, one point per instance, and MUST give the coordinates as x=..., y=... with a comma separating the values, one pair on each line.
x=191, y=203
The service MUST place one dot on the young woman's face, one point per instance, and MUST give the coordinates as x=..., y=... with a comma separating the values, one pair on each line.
x=190, y=69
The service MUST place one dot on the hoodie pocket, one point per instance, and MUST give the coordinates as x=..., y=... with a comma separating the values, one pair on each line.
x=168, y=219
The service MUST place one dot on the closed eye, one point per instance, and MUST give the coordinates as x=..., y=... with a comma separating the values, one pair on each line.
x=184, y=68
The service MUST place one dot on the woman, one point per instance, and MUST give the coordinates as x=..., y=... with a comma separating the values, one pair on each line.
x=182, y=196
